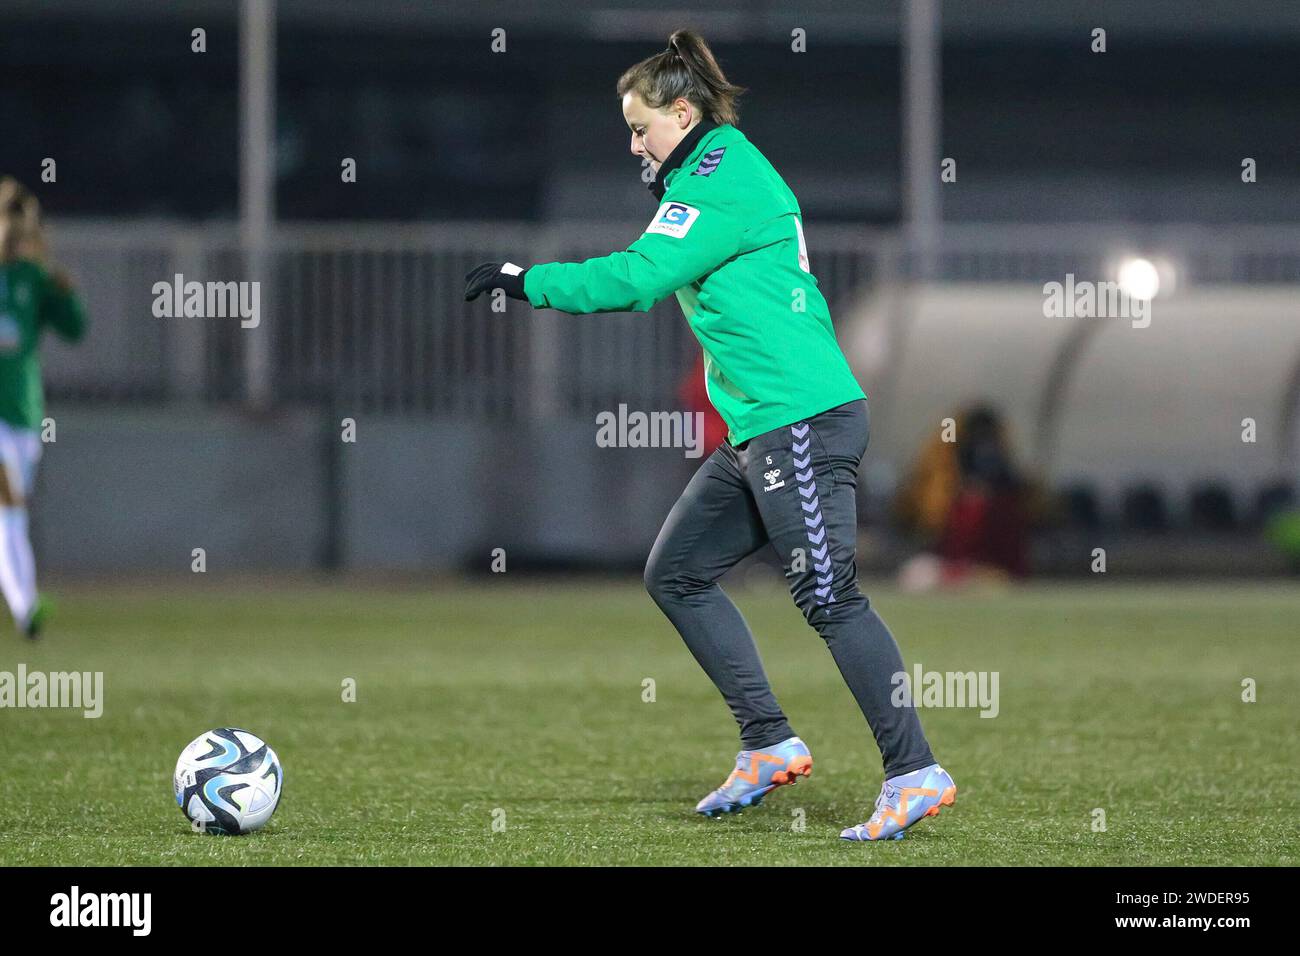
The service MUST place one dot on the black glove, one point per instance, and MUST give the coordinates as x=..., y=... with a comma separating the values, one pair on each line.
x=495, y=275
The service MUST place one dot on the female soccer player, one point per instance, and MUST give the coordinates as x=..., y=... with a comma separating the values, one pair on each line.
x=30, y=298
x=728, y=240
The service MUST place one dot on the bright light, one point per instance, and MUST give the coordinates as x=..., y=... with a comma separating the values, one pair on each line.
x=1139, y=278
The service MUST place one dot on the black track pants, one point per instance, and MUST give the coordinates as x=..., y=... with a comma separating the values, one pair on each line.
x=794, y=488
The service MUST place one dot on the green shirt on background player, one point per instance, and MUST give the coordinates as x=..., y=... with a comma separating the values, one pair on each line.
x=30, y=299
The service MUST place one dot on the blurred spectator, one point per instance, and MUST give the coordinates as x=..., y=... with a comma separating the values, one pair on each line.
x=970, y=501
x=928, y=492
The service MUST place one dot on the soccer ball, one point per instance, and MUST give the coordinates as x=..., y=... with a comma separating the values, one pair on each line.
x=228, y=781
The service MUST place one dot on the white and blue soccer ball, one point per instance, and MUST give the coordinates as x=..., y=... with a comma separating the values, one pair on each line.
x=228, y=781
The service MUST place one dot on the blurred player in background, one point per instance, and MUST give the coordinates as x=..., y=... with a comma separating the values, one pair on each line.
x=728, y=240
x=31, y=297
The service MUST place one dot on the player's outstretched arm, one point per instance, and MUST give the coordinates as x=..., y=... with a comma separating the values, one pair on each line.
x=694, y=231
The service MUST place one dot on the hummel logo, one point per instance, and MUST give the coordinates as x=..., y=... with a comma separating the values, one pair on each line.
x=771, y=478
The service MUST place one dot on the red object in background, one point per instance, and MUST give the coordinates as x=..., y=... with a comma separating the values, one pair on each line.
x=694, y=394
x=989, y=529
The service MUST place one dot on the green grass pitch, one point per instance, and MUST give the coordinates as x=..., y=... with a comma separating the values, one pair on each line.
x=521, y=701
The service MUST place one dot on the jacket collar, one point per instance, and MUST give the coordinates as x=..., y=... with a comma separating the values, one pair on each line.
x=679, y=155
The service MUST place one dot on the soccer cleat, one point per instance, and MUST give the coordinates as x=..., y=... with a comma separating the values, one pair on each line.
x=757, y=773
x=36, y=619
x=903, y=801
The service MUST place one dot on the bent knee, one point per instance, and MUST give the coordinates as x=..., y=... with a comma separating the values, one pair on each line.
x=665, y=579
x=657, y=576
x=820, y=608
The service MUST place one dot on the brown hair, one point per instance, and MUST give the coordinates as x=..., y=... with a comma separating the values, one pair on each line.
x=21, y=232
x=687, y=68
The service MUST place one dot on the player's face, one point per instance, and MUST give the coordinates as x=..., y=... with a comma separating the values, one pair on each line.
x=656, y=132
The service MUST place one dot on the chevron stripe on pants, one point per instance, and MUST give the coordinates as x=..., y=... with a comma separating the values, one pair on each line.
x=794, y=489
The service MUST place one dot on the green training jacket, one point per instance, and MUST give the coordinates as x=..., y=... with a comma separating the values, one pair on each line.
x=728, y=240
x=30, y=300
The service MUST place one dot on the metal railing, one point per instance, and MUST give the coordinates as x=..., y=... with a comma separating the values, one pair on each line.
x=370, y=316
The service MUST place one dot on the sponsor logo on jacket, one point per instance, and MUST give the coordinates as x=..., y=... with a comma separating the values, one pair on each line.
x=673, y=219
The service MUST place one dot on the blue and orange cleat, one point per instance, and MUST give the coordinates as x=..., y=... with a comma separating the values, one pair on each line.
x=903, y=801
x=757, y=773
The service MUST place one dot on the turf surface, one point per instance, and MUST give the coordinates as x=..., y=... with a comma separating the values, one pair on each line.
x=521, y=703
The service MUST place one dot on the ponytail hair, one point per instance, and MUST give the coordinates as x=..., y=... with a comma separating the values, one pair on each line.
x=687, y=68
